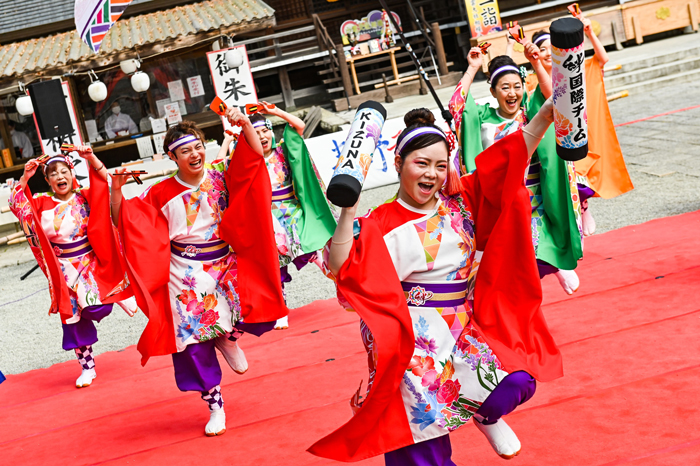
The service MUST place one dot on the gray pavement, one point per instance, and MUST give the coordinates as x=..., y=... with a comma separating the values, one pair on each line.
x=663, y=156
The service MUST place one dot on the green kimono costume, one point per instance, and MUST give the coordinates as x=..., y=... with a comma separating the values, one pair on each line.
x=556, y=209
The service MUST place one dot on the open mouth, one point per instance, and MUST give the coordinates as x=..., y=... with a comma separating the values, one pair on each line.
x=265, y=143
x=196, y=164
x=62, y=185
x=511, y=102
x=426, y=188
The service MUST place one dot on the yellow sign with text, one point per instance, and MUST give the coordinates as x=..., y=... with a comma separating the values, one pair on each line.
x=484, y=16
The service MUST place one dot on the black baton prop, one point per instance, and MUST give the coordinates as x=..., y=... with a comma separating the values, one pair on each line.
x=446, y=115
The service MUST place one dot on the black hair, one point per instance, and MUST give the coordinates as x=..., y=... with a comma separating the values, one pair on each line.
x=182, y=128
x=417, y=118
x=496, y=63
x=257, y=117
x=538, y=34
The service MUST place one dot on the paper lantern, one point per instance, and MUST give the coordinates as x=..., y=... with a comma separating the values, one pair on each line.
x=234, y=58
x=24, y=105
x=354, y=161
x=129, y=66
x=140, y=81
x=569, y=89
x=97, y=91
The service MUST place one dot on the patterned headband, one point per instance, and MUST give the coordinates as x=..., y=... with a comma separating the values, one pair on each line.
x=181, y=141
x=266, y=123
x=541, y=38
x=414, y=133
x=503, y=69
x=58, y=158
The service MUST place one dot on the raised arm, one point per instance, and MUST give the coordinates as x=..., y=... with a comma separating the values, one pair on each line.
x=456, y=105
x=223, y=151
x=29, y=170
x=86, y=153
x=532, y=53
x=115, y=201
x=341, y=242
x=238, y=118
x=597, y=45
x=534, y=131
x=294, y=121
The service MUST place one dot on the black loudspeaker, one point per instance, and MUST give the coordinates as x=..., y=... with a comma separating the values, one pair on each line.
x=50, y=109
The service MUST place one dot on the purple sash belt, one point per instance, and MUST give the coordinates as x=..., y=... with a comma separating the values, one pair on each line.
x=205, y=252
x=435, y=294
x=74, y=249
x=283, y=194
x=533, y=174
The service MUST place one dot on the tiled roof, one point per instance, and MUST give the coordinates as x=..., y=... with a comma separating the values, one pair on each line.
x=65, y=48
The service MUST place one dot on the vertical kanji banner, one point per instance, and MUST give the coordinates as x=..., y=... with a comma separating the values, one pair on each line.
x=94, y=18
x=233, y=86
x=483, y=16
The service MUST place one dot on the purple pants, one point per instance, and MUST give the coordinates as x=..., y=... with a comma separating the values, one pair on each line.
x=545, y=268
x=197, y=368
x=83, y=332
x=298, y=262
x=514, y=390
x=584, y=192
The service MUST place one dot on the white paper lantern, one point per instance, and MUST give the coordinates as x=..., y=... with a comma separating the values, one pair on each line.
x=234, y=58
x=24, y=105
x=129, y=66
x=97, y=91
x=140, y=81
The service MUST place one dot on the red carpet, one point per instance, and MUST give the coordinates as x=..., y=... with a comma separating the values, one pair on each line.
x=631, y=358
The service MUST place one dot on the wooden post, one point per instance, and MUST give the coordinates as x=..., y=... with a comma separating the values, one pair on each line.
x=423, y=89
x=638, y=38
x=439, y=49
x=388, y=98
x=287, y=92
x=344, y=72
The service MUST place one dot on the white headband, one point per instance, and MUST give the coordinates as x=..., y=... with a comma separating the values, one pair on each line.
x=417, y=132
x=542, y=38
x=182, y=141
x=501, y=70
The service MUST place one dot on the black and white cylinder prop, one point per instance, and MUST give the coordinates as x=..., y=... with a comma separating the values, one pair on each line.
x=569, y=88
x=356, y=157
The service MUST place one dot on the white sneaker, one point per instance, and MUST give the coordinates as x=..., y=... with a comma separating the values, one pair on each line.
x=568, y=280
x=86, y=378
x=233, y=354
x=217, y=423
x=282, y=323
x=588, y=222
x=501, y=437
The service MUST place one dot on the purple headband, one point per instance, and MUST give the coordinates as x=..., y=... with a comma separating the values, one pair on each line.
x=501, y=70
x=266, y=123
x=182, y=141
x=414, y=133
x=541, y=38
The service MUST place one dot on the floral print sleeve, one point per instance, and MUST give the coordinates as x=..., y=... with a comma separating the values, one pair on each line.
x=456, y=105
x=19, y=204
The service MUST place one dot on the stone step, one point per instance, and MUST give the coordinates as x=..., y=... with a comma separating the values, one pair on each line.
x=635, y=63
x=644, y=86
x=653, y=72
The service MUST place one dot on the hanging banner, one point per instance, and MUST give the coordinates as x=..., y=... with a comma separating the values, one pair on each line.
x=483, y=16
x=52, y=146
x=371, y=26
x=234, y=86
x=94, y=18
